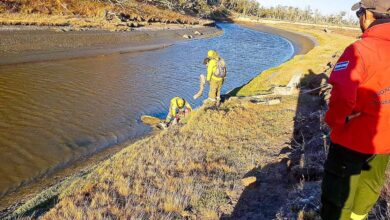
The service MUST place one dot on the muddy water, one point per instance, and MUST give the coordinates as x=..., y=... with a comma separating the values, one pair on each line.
x=54, y=113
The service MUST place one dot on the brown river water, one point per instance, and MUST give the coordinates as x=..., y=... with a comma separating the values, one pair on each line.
x=56, y=112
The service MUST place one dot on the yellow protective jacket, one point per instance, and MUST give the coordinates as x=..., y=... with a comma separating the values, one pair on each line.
x=174, y=108
x=212, y=68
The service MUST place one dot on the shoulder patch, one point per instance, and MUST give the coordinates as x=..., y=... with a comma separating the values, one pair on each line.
x=341, y=66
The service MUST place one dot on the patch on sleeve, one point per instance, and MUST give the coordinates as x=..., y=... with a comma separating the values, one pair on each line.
x=341, y=66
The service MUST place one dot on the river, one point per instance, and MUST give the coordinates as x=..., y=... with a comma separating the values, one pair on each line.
x=57, y=112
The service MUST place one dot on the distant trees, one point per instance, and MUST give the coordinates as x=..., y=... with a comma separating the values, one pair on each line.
x=207, y=8
x=305, y=15
x=245, y=7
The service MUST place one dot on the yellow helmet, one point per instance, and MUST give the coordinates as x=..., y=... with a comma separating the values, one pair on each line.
x=180, y=102
x=212, y=54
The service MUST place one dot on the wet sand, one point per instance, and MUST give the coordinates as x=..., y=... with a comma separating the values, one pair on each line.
x=22, y=45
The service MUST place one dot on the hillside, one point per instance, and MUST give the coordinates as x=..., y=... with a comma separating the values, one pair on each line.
x=84, y=14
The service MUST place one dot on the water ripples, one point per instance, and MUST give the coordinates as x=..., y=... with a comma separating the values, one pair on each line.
x=53, y=113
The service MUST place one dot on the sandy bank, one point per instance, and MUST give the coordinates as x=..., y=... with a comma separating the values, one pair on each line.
x=32, y=45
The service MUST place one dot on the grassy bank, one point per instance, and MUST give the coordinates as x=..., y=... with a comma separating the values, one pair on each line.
x=330, y=46
x=243, y=159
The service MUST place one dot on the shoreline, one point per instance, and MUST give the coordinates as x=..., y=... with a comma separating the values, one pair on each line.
x=25, y=45
x=104, y=43
x=303, y=43
x=47, y=44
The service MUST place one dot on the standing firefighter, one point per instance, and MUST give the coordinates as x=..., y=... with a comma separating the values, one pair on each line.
x=359, y=116
x=216, y=74
x=178, y=109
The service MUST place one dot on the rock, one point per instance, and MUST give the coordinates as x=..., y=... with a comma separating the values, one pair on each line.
x=198, y=33
x=110, y=16
x=187, y=36
x=273, y=102
x=132, y=24
x=139, y=18
x=248, y=181
x=66, y=29
x=291, y=87
x=326, y=30
x=124, y=17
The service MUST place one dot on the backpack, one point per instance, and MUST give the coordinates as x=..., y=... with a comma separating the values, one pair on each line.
x=221, y=69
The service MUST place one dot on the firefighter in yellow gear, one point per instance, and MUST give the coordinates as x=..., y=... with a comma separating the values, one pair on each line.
x=215, y=76
x=178, y=109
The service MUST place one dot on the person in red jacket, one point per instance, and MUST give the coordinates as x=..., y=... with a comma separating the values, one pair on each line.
x=359, y=118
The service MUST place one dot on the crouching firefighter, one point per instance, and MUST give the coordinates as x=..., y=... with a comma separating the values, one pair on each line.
x=178, y=109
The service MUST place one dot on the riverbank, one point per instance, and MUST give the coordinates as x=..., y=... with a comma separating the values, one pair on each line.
x=21, y=45
x=101, y=15
x=196, y=170
x=33, y=31
x=330, y=45
x=39, y=44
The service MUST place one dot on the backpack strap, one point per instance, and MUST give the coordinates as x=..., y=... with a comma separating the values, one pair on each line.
x=217, y=60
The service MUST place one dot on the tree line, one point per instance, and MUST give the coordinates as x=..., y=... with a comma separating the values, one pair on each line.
x=210, y=8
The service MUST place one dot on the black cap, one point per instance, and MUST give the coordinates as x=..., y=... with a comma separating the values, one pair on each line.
x=378, y=6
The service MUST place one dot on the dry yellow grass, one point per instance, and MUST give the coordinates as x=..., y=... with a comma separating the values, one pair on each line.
x=85, y=13
x=195, y=171
x=185, y=171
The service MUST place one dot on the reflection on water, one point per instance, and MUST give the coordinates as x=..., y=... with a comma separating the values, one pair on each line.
x=52, y=113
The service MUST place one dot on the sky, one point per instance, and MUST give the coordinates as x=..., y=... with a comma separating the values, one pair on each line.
x=325, y=6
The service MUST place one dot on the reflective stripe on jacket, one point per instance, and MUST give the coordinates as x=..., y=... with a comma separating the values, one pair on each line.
x=361, y=89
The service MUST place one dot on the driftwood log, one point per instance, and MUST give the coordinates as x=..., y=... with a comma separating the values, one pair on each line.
x=202, y=82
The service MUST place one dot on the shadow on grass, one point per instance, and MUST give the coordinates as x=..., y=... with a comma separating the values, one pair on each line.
x=298, y=165
x=262, y=199
x=39, y=210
